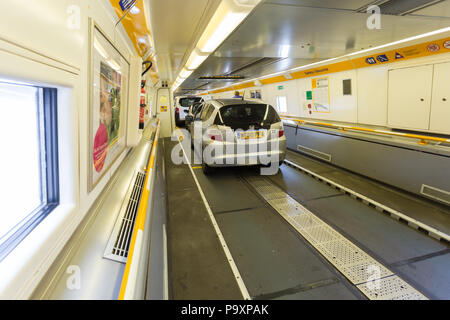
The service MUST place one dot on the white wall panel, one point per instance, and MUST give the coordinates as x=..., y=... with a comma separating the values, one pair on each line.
x=409, y=97
x=440, y=105
x=372, y=95
x=42, y=47
x=368, y=103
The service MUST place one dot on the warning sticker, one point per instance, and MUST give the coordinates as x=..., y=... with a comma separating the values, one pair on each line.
x=447, y=44
x=433, y=47
x=126, y=4
x=383, y=58
x=398, y=56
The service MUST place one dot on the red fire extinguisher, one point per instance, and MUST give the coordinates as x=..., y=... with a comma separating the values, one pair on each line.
x=142, y=108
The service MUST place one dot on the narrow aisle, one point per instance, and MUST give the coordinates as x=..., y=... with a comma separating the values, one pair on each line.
x=198, y=267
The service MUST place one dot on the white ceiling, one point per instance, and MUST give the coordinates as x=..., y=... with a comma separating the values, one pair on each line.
x=175, y=26
x=336, y=4
x=278, y=35
x=438, y=10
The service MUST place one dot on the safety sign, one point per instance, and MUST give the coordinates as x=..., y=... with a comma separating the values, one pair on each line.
x=433, y=47
x=371, y=60
x=398, y=56
x=447, y=44
x=126, y=4
x=383, y=58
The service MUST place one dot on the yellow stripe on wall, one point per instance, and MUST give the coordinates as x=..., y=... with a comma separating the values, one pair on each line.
x=137, y=29
x=397, y=55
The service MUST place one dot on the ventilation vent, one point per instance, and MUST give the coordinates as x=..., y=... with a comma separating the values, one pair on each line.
x=436, y=194
x=314, y=153
x=401, y=7
x=120, y=239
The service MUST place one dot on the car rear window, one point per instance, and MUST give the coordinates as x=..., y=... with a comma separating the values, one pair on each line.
x=249, y=115
x=195, y=107
x=188, y=102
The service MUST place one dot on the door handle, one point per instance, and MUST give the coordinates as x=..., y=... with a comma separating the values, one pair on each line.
x=422, y=99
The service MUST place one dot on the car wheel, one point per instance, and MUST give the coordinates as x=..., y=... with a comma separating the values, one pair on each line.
x=207, y=169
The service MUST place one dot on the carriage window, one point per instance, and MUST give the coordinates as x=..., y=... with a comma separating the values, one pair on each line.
x=282, y=104
x=28, y=167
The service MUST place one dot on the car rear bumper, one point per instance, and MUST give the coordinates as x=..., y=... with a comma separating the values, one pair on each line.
x=245, y=156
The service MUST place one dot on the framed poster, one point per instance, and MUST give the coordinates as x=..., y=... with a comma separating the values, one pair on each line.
x=108, y=92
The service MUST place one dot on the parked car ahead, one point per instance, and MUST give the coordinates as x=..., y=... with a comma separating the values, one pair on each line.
x=182, y=105
x=192, y=111
x=246, y=132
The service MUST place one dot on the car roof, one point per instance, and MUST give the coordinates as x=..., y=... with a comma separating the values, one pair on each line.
x=189, y=97
x=230, y=102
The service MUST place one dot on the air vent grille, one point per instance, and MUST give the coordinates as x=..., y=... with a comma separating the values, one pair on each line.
x=436, y=194
x=401, y=7
x=120, y=239
x=314, y=153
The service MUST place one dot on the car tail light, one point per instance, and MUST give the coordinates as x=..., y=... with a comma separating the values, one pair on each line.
x=280, y=133
x=215, y=136
x=178, y=110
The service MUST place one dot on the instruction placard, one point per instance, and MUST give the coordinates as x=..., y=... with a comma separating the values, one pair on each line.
x=321, y=94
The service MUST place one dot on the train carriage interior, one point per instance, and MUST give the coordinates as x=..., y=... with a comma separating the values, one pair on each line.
x=229, y=150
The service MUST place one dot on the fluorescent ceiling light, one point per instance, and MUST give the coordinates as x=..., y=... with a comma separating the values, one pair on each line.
x=185, y=73
x=284, y=52
x=195, y=60
x=231, y=21
x=432, y=33
x=225, y=20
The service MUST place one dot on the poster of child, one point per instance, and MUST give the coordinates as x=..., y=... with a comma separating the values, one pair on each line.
x=110, y=94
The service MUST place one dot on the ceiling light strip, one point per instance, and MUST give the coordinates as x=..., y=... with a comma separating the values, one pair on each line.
x=228, y=16
x=377, y=58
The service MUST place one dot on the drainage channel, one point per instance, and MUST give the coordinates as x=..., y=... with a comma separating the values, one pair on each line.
x=415, y=224
x=374, y=280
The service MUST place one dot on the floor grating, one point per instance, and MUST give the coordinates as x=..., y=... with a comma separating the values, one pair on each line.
x=374, y=280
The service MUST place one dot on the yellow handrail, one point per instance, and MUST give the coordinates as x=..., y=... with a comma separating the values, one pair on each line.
x=140, y=217
x=423, y=139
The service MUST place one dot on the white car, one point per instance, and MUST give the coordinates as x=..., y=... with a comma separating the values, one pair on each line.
x=230, y=132
x=182, y=105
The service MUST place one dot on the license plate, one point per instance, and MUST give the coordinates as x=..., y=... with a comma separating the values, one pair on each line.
x=251, y=135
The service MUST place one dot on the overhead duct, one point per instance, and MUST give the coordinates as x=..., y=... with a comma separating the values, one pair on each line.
x=400, y=7
x=259, y=63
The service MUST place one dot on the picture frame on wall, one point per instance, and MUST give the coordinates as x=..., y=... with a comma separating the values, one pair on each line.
x=109, y=73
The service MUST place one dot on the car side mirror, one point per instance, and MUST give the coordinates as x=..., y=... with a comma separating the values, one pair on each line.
x=186, y=111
